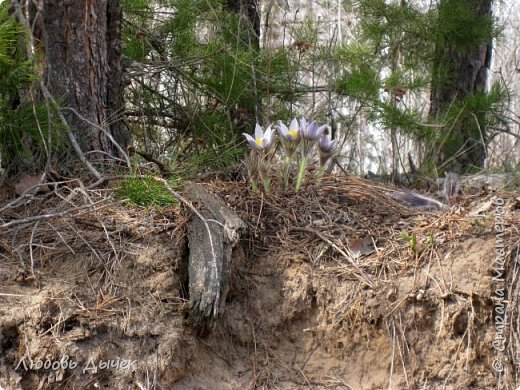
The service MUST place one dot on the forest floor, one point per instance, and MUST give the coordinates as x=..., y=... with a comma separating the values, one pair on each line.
x=336, y=287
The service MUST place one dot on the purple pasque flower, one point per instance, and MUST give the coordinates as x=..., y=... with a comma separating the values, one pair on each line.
x=290, y=137
x=310, y=134
x=327, y=145
x=263, y=139
x=327, y=148
x=311, y=131
x=291, y=133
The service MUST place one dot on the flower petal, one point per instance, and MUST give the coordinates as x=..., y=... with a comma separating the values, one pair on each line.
x=251, y=140
x=268, y=136
x=321, y=130
x=294, y=125
x=303, y=123
x=310, y=131
x=259, y=132
x=283, y=129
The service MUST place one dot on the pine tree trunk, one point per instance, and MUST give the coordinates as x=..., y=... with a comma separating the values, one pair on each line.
x=80, y=42
x=457, y=74
x=248, y=12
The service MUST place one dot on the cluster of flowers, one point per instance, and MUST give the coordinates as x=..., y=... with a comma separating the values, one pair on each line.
x=299, y=136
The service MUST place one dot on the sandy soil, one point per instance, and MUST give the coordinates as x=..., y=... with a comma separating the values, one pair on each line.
x=292, y=320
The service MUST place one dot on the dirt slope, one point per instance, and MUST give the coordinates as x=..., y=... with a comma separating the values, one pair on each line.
x=302, y=312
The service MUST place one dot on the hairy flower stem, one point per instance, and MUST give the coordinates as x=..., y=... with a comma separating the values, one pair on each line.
x=264, y=170
x=286, y=172
x=254, y=185
x=301, y=172
x=267, y=184
x=321, y=170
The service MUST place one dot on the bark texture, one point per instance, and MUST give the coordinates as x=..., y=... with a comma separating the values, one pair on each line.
x=80, y=41
x=457, y=74
x=210, y=255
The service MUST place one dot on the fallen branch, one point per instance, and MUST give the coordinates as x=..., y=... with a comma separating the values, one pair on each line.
x=104, y=131
x=36, y=218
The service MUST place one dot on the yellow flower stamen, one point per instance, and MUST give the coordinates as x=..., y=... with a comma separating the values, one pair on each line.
x=259, y=141
x=293, y=133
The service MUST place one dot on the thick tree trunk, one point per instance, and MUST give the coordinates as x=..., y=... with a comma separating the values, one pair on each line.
x=459, y=73
x=81, y=45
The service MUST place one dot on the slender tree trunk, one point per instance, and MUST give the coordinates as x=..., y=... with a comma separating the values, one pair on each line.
x=248, y=12
x=459, y=73
x=80, y=41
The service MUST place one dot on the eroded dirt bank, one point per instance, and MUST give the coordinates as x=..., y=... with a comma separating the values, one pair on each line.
x=107, y=288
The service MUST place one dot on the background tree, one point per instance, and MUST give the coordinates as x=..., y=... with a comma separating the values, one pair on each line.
x=195, y=79
x=197, y=76
x=79, y=43
x=385, y=72
x=219, y=76
x=459, y=79
x=247, y=14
